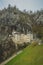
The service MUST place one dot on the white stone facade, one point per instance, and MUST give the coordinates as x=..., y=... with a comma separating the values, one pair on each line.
x=21, y=38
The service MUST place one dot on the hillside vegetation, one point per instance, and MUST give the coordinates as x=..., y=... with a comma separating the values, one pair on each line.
x=32, y=55
x=12, y=18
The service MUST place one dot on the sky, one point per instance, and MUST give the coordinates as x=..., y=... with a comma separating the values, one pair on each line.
x=33, y=5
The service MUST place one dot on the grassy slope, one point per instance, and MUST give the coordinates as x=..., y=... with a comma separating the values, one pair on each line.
x=29, y=56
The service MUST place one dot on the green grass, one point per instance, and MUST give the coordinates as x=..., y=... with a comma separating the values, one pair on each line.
x=32, y=55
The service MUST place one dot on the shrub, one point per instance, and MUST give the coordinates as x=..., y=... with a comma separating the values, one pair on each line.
x=34, y=43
